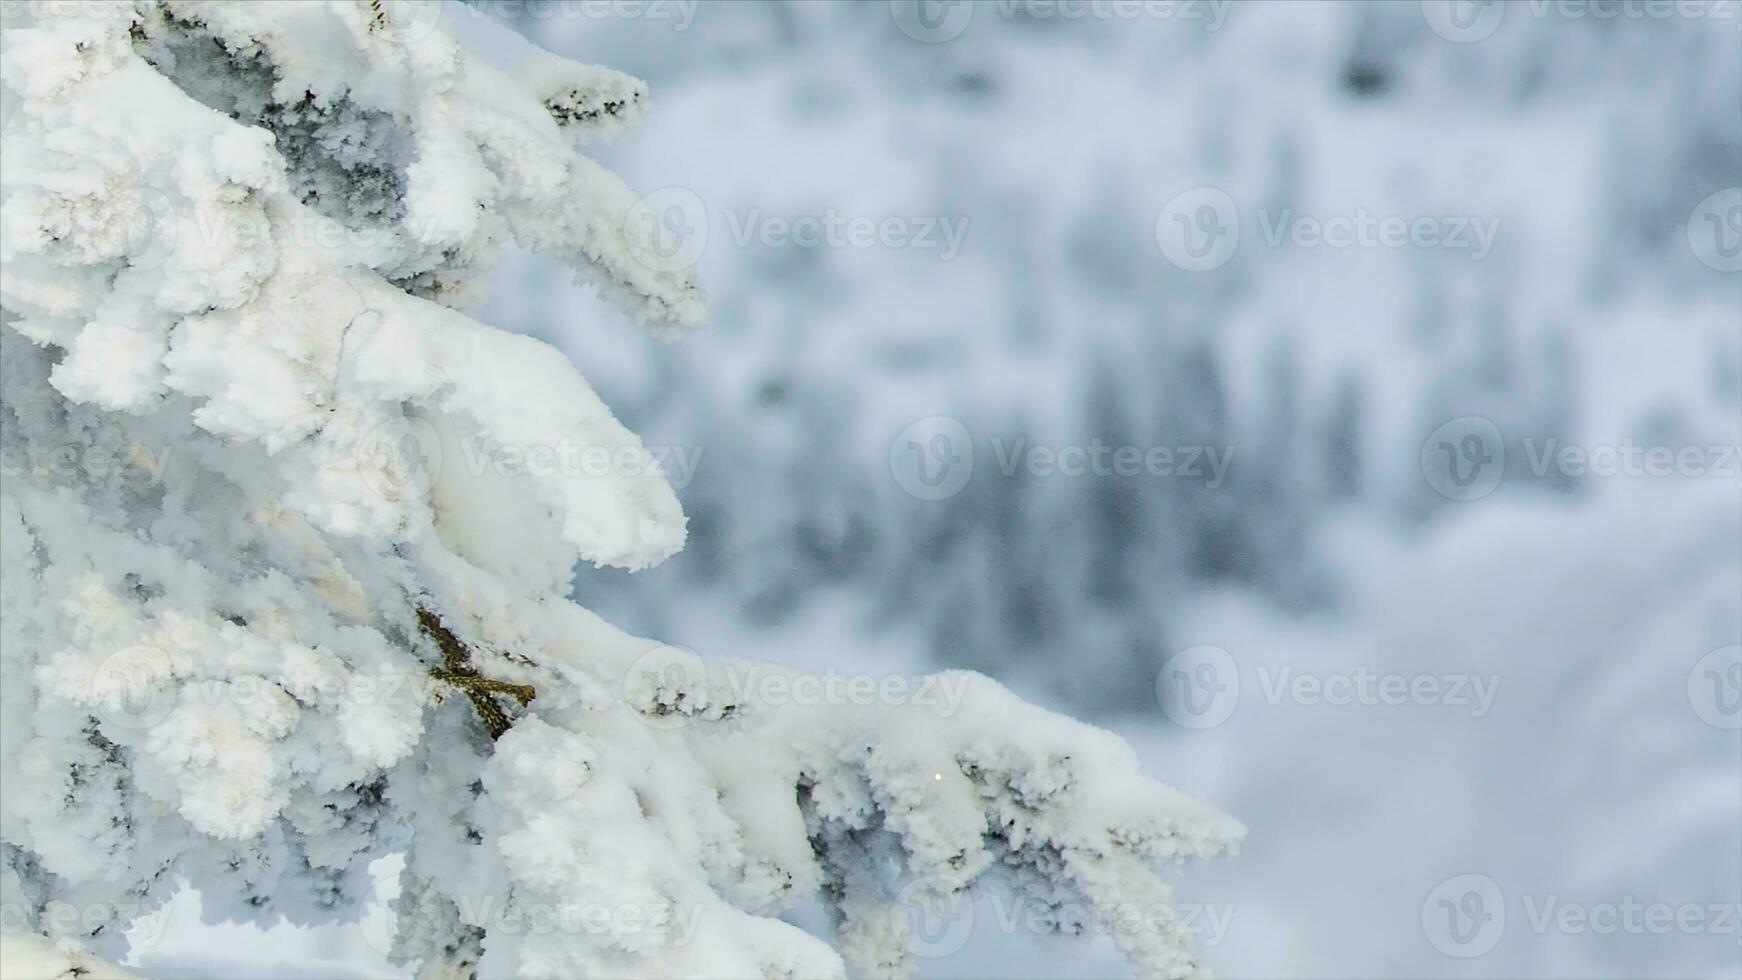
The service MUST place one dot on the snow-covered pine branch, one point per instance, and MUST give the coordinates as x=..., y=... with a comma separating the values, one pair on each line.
x=254, y=635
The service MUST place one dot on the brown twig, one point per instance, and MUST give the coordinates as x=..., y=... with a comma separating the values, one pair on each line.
x=458, y=671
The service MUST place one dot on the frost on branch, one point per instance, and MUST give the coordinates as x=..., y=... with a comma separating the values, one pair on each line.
x=23, y=955
x=263, y=618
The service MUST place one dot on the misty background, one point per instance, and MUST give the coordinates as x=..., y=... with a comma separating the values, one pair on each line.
x=1091, y=298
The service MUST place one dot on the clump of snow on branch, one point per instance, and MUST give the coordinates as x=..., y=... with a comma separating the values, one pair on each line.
x=25, y=955
x=258, y=611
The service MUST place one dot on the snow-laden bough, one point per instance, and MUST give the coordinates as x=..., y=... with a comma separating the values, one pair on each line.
x=266, y=619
